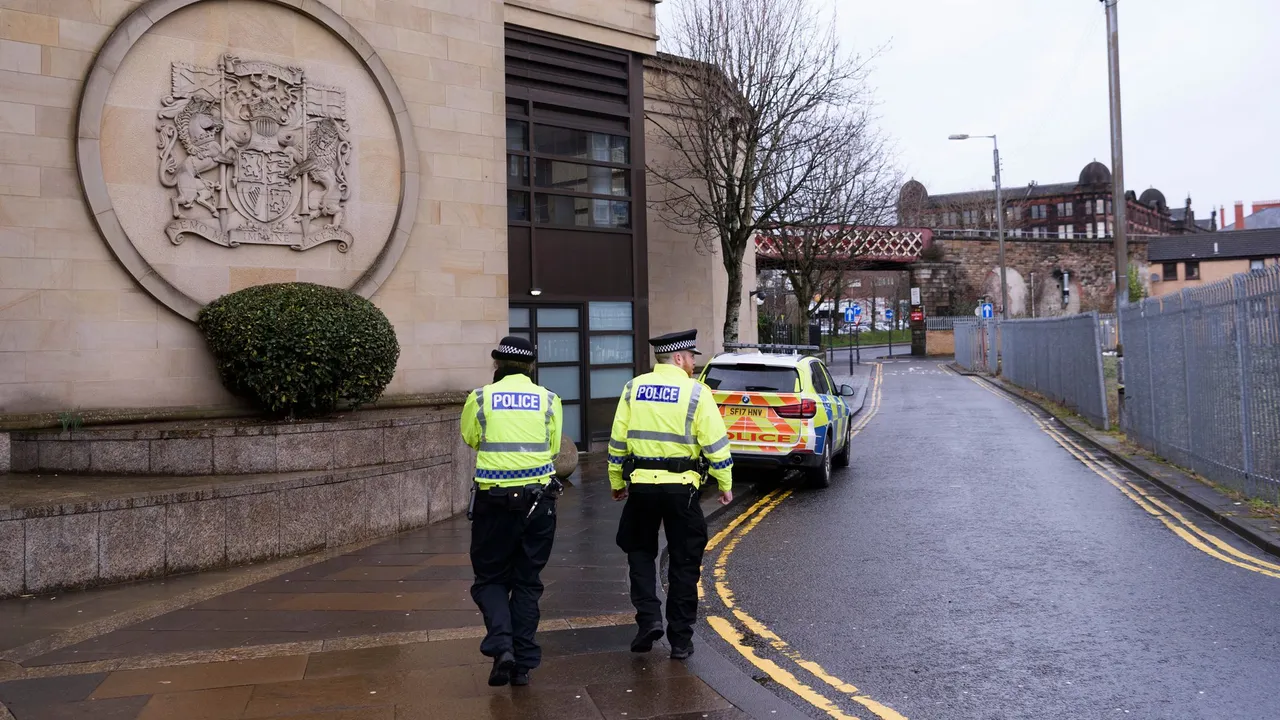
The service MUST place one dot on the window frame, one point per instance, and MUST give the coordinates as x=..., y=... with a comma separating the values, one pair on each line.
x=1165, y=273
x=1191, y=270
x=815, y=374
x=519, y=110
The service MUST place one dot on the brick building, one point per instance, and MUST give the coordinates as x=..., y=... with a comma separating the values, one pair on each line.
x=1058, y=242
x=1066, y=211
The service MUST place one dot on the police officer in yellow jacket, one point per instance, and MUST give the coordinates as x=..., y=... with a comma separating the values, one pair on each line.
x=667, y=425
x=515, y=427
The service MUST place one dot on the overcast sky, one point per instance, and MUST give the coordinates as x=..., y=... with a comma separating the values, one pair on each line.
x=1199, y=82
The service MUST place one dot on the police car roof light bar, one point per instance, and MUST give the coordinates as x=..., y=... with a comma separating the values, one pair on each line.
x=794, y=349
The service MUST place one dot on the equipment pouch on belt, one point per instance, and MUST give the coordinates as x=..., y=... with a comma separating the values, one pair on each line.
x=512, y=498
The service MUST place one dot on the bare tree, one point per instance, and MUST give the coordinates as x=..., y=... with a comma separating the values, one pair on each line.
x=824, y=220
x=753, y=90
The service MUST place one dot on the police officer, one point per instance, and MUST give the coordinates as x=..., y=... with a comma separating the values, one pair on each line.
x=515, y=427
x=666, y=424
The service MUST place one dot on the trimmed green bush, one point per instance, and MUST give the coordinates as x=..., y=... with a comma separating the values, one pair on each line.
x=299, y=349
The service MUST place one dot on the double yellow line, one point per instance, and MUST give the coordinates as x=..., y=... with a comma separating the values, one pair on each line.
x=1178, y=523
x=737, y=637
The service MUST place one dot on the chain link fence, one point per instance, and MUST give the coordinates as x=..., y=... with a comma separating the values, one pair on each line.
x=1202, y=380
x=1061, y=359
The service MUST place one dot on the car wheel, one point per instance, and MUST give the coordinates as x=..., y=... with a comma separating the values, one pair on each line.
x=842, y=459
x=820, y=477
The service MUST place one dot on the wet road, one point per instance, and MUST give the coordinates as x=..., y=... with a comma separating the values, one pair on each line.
x=968, y=565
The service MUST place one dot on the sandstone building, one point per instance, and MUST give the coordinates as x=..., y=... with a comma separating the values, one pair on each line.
x=472, y=166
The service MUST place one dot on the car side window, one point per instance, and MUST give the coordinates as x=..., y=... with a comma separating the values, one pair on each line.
x=831, y=383
x=821, y=384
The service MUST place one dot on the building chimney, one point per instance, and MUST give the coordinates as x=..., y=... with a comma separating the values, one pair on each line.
x=1239, y=214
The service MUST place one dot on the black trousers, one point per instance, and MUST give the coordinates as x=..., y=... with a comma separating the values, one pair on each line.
x=508, y=552
x=677, y=509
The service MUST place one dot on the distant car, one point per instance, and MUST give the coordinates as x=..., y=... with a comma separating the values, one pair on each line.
x=782, y=412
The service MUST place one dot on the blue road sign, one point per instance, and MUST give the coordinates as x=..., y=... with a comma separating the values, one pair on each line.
x=857, y=309
x=888, y=314
x=850, y=315
x=988, y=310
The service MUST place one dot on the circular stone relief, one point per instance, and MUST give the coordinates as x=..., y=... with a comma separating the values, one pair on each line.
x=229, y=144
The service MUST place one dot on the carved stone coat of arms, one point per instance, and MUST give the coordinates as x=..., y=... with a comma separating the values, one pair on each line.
x=254, y=153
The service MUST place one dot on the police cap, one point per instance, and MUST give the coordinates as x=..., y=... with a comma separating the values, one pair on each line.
x=676, y=342
x=514, y=348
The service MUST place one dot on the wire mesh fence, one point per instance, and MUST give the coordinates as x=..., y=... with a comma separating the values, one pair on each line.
x=1059, y=358
x=1202, y=380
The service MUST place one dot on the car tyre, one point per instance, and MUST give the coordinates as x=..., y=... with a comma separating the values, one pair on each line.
x=842, y=459
x=820, y=477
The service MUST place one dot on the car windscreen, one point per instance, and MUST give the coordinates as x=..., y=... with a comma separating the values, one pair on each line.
x=752, y=378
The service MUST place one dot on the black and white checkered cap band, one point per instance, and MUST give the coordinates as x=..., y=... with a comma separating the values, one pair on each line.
x=509, y=350
x=675, y=347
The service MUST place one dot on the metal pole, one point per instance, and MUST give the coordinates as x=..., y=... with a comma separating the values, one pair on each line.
x=1118, y=202
x=1004, y=284
x=855, y=339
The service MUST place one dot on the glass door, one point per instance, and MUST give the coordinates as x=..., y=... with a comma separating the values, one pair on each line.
x=556, y=332
x=584, y=357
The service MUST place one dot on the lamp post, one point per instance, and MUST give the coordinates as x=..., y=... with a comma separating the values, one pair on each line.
x=1004, y=285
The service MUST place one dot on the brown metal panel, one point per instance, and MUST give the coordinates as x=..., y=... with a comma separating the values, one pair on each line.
x=580, y=263
x=639, y=217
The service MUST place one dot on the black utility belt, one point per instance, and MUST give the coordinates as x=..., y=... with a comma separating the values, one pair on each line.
x=643, y=488
x=514, y=491
x=671, y=465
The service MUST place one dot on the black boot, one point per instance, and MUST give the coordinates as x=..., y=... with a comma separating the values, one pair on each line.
x=681, y=653
x=502, y=666
x=646, y=637
x=520, y=677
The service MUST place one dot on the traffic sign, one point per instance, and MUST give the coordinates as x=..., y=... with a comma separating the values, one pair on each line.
x=857, y=309
x=888, y=314
x=850, y=315
x=988, y=310
x=917, y=315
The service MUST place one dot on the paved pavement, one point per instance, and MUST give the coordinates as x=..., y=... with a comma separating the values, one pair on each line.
x=970, y=565
x=379, y=631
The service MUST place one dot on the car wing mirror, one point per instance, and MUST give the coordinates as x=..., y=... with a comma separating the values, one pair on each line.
x=847, y=391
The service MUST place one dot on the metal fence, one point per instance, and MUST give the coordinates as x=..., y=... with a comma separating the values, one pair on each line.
x=1059, y=358
x=943, y=323
x=1109, y=330
x=977, y=344
x=1202, y=380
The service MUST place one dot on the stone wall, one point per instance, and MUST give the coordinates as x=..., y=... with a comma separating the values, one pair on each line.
x=381, y=475
x=87, y=323
x=937, y=283
x=77, y=331
x=1033, y=268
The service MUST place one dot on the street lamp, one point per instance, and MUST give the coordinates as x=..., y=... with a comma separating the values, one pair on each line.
x=1004, y=285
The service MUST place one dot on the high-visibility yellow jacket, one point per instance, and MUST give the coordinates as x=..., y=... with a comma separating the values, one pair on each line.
x=515, y=427
x=667, y=414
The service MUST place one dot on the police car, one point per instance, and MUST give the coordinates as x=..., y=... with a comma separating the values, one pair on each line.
x=782, y=411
